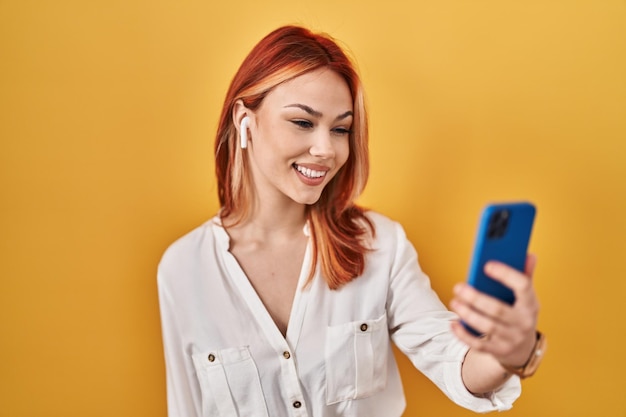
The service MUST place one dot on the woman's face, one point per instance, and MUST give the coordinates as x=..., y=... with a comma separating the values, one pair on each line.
x=299, y=137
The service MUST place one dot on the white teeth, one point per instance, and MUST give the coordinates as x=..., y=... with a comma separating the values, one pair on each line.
x=311, y=173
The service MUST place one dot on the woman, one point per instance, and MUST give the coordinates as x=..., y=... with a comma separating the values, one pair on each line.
x=286, y=303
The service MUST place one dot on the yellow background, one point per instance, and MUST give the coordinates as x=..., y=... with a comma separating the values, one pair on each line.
x=107, y=115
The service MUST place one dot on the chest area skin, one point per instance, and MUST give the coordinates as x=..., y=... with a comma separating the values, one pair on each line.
x=273, y=270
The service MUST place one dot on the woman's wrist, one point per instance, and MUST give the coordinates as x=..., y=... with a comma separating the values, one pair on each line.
x=534, y=359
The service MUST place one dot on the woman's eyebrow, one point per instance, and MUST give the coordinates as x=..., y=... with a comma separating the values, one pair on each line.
x=306, y=109
x=344, y=115
x=318, y=114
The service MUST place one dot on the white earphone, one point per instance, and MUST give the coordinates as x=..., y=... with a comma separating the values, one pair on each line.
x=243, y=132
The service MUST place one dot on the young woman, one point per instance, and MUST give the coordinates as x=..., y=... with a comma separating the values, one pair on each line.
x=287, y=301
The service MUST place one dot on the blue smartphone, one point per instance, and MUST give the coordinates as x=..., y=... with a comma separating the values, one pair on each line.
x=503, y=235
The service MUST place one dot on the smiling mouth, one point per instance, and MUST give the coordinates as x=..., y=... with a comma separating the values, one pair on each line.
x=308, y=172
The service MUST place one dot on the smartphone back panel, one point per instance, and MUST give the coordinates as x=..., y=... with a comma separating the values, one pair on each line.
x=503, y=235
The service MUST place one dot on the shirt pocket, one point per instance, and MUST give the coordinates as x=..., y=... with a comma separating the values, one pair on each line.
x=228, y=377
x=356, y=355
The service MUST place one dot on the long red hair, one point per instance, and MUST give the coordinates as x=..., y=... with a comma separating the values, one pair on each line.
x=339, y=228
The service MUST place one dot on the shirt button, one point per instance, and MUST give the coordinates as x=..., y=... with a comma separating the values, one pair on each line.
x=211, y=357
x=286, y=355
x=363, y=327
x=297, y=404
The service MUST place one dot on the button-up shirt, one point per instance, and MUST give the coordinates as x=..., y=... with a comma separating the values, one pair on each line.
x=226, y=357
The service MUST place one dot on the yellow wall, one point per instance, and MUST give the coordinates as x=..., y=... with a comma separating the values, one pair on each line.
x=107, y=111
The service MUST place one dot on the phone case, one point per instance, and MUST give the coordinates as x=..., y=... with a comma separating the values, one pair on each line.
x=503, y=235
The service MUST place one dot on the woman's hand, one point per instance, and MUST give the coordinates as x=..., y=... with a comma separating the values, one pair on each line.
x=509, y=331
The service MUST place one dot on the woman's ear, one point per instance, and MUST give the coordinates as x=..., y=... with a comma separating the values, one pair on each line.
x=241, y=119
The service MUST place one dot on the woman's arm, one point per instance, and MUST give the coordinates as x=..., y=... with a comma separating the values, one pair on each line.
x=509, y=331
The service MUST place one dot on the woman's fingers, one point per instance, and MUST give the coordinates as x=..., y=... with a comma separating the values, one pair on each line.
x=497, y=343
x=531, y=263
x=507, y=329
x=481, y=302
x=510, y=277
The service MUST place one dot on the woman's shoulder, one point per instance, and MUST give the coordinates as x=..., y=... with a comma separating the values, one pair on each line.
x=388, y=233
x=382, y=223
x=189, y=244
x=390, y=245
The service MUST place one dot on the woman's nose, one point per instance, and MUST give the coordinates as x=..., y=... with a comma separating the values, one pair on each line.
x=323, y=146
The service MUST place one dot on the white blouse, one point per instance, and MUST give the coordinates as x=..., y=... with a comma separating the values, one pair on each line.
x=225, y=356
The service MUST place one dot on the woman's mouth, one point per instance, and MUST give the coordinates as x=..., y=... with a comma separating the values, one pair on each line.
x=309, y=176
x=309, y=173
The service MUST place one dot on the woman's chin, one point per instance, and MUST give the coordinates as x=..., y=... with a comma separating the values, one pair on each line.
x=307, y=199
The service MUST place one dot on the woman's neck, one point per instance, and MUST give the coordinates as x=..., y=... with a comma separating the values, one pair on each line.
x=268, y=223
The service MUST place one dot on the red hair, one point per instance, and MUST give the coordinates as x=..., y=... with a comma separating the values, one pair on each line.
x=339, y=228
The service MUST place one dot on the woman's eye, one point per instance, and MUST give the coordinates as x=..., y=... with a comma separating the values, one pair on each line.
x=341, y=131
x=305, y=124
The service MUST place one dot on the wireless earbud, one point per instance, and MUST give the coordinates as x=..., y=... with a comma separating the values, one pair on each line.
x=243, y=132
